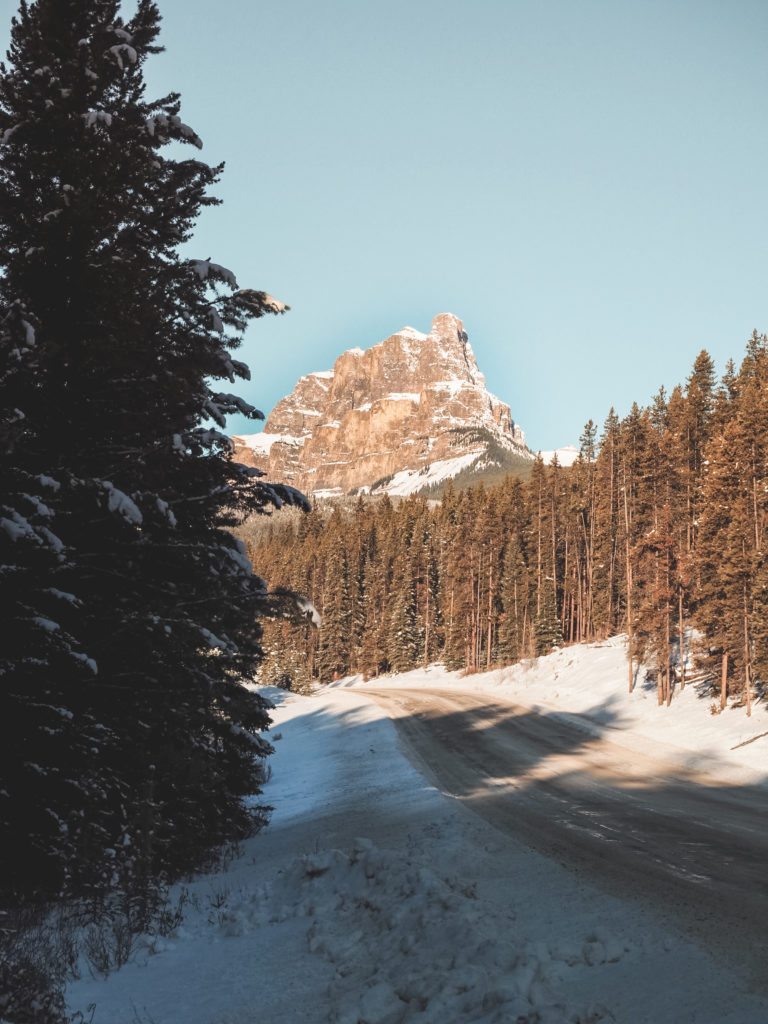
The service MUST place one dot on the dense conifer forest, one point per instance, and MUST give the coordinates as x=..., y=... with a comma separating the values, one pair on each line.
x=657, y=531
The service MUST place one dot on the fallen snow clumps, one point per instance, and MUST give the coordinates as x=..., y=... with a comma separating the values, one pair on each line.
x=411, y=946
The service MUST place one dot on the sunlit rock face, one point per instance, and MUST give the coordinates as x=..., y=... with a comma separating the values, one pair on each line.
x=408, y=412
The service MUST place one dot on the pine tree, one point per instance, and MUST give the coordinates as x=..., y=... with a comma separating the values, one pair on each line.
x=127, y=740
x=404, y=638
x=731, y=556
x=656, y=575
x=373, y=653
x=456, y=581
x=514, y=601
x=334, y=655
x=608, y=515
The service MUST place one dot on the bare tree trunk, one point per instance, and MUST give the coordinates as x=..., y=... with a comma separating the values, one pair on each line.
x=681, y=631
x=490, y=615
x=630, y=650
x=554, y=555
x=478, y=639
x=538, y=559
x=747, y=658
x=724, y=682
x=755, y=504
x=586, y=612
x=426, y=622
x=609, y=622
x=565, y=601
x=668, y=666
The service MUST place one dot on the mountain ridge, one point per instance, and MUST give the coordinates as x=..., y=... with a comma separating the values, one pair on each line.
x=401, y=416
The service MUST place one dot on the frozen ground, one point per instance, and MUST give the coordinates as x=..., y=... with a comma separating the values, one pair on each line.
x=372, y=897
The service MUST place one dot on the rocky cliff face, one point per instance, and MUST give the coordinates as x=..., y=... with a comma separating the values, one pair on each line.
x=410, y=411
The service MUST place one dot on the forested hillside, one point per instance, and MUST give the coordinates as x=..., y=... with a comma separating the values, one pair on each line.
x=656, y=531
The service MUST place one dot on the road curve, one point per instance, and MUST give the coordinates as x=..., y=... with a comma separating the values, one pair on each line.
x=641, y=825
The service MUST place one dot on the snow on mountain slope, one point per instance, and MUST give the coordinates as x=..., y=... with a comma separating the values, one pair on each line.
x=409, y=405
x=261, y=444
x=410, y=481
x=566, y=455
x=433, y=917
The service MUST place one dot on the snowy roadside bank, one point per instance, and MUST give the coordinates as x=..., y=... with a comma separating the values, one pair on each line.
x=587, y=683
x=434, y=916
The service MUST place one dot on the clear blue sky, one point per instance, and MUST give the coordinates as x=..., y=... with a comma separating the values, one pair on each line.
x=582, y=181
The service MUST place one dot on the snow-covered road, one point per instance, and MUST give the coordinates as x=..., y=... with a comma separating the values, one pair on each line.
x=647, y=825
x=434, y=916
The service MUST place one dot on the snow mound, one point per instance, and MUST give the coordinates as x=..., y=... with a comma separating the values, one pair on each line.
x=390, y=930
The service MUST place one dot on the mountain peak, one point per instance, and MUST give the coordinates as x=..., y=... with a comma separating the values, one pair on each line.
x=447, y=325
x=401, y=406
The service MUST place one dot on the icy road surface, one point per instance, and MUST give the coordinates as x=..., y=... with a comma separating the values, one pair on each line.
x=439, y=915
x=648, y=826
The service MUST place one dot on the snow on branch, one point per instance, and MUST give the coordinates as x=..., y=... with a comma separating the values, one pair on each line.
x=29, y=333
x=39, y=506
x=10, y=132
x=170, y=126
x=220, y=405
x=208, y=438
x=17, y=527
x=261, y=748
x=205, y=270
x=47, y=625
x=51, y=540
x=94, y=117
x=309, y=611
x=89, y=662
x=165, y=511
x=64, y=595
x=285, y=604
x=123, y=49
x=229, y=367
x=239, y=555
x=123, y=506
x=259, y=303
x=282, y=494
x=250, y=472
x=48, y=481
x=217, y=643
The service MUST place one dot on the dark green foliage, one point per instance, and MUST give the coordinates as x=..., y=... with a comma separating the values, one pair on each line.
x=127, y=741
x=548, y=632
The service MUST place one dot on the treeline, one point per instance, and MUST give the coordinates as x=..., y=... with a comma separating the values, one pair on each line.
x=657, y=531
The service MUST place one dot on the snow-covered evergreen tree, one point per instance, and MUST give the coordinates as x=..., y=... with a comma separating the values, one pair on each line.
x=335, y=641
x=404, y=640
x=127, y=741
